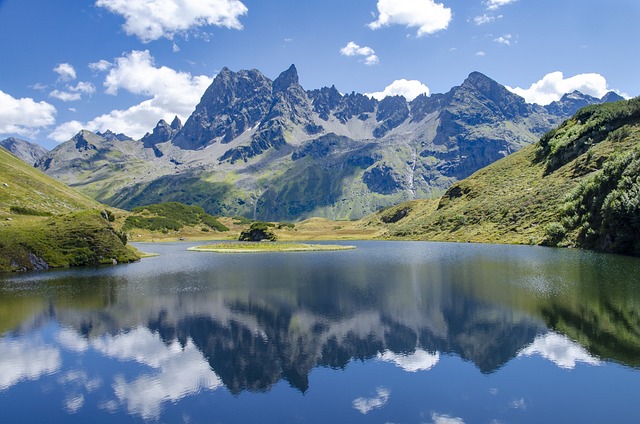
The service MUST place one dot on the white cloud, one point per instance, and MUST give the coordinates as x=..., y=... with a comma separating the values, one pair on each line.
x=74, y=93
x=66, y=72
x=175, y=48
x=427, y=15
x=410, y=89
x=420, y=360
x=171, y=93
x=26, y=360
x=554, y=85
x=496, y=4
x=445, y=419
x=352, y=49
x=64, y=132
x=65, y=96
x=364, y=405
x=484, y=19
x=38, y=86
x=480, y=53
x=24, y=116
x=153, y=19
x=560, y=350
x=100, y=66
x=504, y=39
x=83, y=87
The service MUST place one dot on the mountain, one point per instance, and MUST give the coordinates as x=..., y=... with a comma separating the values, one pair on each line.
x=28, y=152
x=47, y=224
x=110, y=135
x=161, y=133
x=570, y=103
x=271, y=150
x=577, y=186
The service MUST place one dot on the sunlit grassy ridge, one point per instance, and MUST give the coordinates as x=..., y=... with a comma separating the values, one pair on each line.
x=44, y=223
x=579, y=186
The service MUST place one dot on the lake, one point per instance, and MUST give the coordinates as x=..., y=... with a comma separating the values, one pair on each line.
x=402, y=332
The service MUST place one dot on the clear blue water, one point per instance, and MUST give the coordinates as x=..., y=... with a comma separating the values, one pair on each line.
x=402, y=332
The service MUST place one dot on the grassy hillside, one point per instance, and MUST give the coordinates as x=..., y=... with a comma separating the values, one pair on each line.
x=22, y=185
x=44, y=223
x=578, y=186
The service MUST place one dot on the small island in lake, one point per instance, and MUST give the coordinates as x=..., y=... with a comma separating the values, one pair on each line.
x=253, y=247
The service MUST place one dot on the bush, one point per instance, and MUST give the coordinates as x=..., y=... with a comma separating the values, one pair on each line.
x=20, y=210
x=257, y=232
x=555, y=233
x=604, y=209
x=213, y=223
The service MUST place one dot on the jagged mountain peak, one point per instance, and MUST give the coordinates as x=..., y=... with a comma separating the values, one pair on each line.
x=611, y=97
x=576, y=95
x=162, y=132
x=486, y=86
x=112, y=136
x=286, y=79
x=176, y=124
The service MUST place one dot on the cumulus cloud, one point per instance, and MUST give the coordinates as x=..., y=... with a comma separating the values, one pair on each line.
x=496, y=4
x=171, y=93
x=410, y=89
x=427, y=15
x=100, y=66
x=74, y=92
x=504, y=39
x=554, y=85
x=560, y=350
x=65, y=71
x=24, y=116
x=364, y=405
x=480, y=53
x=153, y=19
x=65, y=96
x=352, y=49
x=65, y=131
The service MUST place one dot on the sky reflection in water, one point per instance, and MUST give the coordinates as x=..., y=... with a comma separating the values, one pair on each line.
x=410, y=332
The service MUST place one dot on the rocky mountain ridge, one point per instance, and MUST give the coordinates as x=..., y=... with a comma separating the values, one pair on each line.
x=28, y=152
x=272, y=150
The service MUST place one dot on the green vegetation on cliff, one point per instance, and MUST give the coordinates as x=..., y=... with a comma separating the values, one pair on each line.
x=578, y=186
x=45, y=224
x=75, y=239
x=170, y=216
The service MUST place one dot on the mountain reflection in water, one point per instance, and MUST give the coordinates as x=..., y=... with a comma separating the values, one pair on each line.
x=189, y=323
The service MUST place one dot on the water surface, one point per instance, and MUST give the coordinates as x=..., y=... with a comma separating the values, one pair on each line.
x=407, y=332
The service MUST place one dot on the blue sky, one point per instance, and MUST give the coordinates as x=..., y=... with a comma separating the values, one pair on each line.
x=125, y=64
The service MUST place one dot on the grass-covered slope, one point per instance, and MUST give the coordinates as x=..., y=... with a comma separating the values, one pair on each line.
x=22, y=185
x=44, y=223
x=578, y=186
x=171, y=216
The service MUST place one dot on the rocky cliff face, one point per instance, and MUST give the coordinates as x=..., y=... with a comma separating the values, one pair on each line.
x=272, y=150
x=163, y=132
x=28, y=152
x=233, y=103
